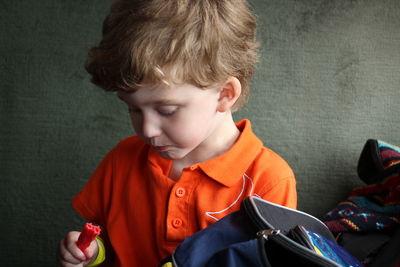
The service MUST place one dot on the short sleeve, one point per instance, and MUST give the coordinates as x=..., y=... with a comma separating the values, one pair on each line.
x=282, y=193
x=93, y=201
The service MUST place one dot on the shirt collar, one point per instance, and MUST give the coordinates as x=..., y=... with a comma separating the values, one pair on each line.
x=229, y=167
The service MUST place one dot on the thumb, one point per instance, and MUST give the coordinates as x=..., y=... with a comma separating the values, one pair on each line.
x=91, y=252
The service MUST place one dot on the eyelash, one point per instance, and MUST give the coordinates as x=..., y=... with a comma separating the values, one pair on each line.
x=165, y=114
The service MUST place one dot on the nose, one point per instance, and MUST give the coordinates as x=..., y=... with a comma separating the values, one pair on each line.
x=150, y=127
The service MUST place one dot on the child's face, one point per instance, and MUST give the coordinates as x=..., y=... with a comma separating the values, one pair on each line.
x=175, y=120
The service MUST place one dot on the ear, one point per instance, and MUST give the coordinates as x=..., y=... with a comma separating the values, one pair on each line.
x=229, y=93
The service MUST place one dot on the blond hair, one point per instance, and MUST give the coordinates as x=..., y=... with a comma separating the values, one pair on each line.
x=202, y=42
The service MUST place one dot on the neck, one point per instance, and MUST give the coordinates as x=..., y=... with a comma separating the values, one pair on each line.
x=220, y=140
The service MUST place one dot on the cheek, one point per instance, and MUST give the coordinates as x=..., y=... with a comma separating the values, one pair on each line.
x=189, y=131
x=188, y=137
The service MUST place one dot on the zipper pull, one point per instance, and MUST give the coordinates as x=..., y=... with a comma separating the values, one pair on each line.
x=268, y=232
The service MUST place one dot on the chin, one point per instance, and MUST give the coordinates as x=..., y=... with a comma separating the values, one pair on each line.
x=170, y=156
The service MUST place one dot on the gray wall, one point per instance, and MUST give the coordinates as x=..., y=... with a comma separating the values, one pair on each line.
x=328, y=80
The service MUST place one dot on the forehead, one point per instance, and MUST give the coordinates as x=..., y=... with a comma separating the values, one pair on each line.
x=163, y=93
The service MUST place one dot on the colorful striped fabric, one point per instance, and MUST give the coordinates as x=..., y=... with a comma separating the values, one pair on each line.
x=389, y=154
x=375, y=207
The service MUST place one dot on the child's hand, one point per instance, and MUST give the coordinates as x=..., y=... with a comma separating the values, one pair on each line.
x=70, y=255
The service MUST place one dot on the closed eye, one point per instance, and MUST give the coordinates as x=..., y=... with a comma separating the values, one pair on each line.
x=167, y=110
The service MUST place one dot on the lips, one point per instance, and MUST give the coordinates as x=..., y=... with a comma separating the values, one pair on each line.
x=160, y=148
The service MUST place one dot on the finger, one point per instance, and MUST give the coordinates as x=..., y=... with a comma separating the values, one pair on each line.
x=73, y=248
x=92, y=250
x=70, y=245
x=68, y=264
x=65, y=257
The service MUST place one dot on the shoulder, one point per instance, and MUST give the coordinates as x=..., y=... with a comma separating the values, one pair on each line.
x=261, y=161
x=271, y=162
x=123, y=153
x=129, y=142
x=129, y=145
x=270, y=169
x=273, y=178
x=128, y=150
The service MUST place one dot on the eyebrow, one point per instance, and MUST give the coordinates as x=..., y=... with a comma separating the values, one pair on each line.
x=164, y=101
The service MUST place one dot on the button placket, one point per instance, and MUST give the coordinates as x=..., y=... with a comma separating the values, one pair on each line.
x=177, y=222
x=178, y=208
x=180, y=192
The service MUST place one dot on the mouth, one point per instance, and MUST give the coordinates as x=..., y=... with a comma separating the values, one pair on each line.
x=160, y=148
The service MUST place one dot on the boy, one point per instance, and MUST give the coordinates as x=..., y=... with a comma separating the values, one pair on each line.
x=182, y=67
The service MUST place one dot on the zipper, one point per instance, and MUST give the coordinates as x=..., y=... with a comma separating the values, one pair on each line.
x=267, y=232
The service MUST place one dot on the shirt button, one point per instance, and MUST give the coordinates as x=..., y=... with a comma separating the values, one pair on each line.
x=193, y=167
x=176, y=223
x=180, y=192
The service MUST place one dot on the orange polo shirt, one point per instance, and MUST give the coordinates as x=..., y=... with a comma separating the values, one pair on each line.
x=146, y=214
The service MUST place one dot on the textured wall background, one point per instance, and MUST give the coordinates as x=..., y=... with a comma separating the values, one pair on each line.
x=328, y=80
